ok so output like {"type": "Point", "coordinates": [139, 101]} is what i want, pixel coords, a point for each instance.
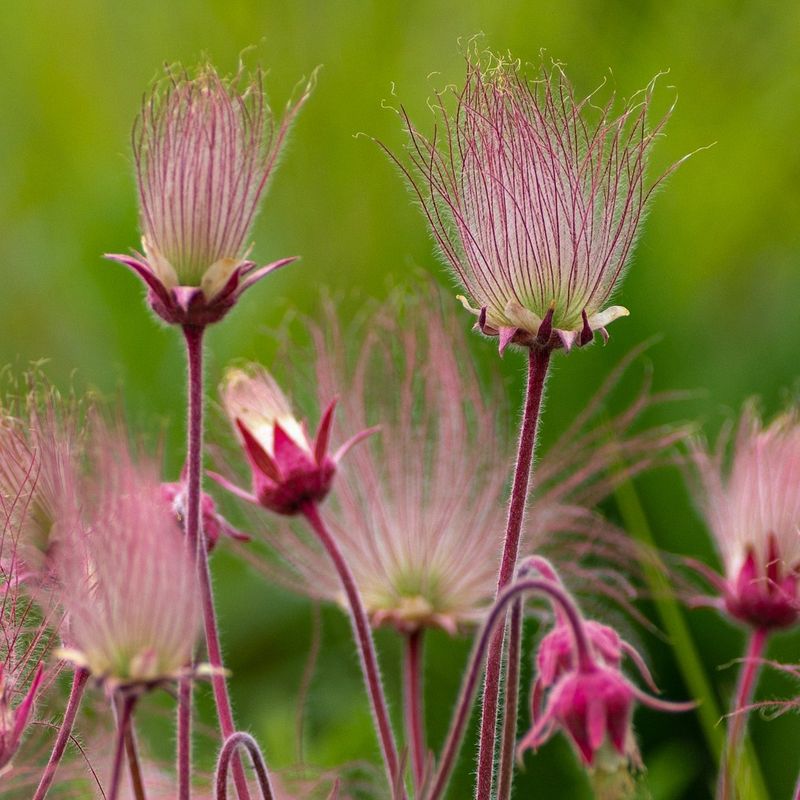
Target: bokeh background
{"type": "Point", "coordinates": [716, 274]}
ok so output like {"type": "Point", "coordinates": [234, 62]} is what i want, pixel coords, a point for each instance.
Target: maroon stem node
{"type": "Point", "coordinates": [196, 539]}
{"type": "Point", "coordinates": [538, 361]}
{"type": "Point", "coordinates": [414, 704]}
{"type": "Point", "coordinates": [363, 637]}
{"type": "Point", "coordinates": [64, 732]}
{"type": "Point", "coordinates": [472, 675]}
{"type": "Point", "coordinates": [744, 695]}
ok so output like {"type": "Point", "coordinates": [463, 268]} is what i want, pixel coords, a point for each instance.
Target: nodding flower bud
{"type": "Point", "coordinates": [215, 525]}
{"type": "Point", "coordinates": [587, 696]}
{"type": "Point", "coordinates": [14, 721]}
{"type": "Point", "coordinates": [204, 147]}
{"type": "Point", "coordinates": [535, 198]}
{"type": "Point", "coordinates": [753, 511]}
{"type": "Point", "coordinates": [288, 469]}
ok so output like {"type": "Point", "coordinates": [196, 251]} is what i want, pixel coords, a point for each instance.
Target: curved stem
{"type": "Point", "coordinates": [134, 765]}
{"type": "Point", "coordinates": [228, 752]}
{"type": "Point", "coordinates": [511, 703]}
{"type": "Point", "coordinates": [472, 675]}
{"type": "Point", "coordinates": [125, 713]}
{"type": "Point", "coordinates": [184, 755]}
{"type": "Point", "coordinates": [414, 704]}
{"type": "Point", "coordinates": [73, 704]}
{"type": "Point", "coordinates": [746, 685]}
{"type": "Point", "coordinates": [195, 537]}
{"type": "Point", "coordinates": [538, 361]}
{"type": "Point", "coordinates": [363, 637]}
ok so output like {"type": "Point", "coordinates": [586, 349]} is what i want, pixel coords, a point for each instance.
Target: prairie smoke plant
{"type": "Point", "coordinates": [535, 198]}
{"type": "Point", "coordinates": [753, 511]}
{"type": "Point", "coordinates": [127, 582]}
{"type": "Point", "coordinates": [204, 147]}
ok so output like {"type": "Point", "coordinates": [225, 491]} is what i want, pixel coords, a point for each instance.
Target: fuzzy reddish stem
{"type": "Point", "coordinates": [228, 752]}
{"type": "Point", "coordinates": [414, 704]}
{"type": "Point", "coordinates": [364, 642]}
{"type": "Point", "coordinates": [196, 539]}
{"type": "Point", "coordinates": [64, 732]}
{"type": "Point", "coordinates": [511, 703]}
{"type": "Point", "coordinates": [134, 764]}
{"type": "Point", "coordinates": [744, 696]}
{"type": "Point", "coordinates": [538, 361]}
{"type": "Point", "coordinates": [472, 675]}
{"type": "Point", "coordinates": [125, 714]}
{"type": "Point", "coordinates": [184, 755]}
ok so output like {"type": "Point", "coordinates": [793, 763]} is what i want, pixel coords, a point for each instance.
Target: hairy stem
{"type": "Point", "coordinates": [364, 643]}
{"type": "Point", "coordinates": [228, 752]}
{"type": "Point", "coordinates": [414, 705]}
{"type": "Point", "coordinates": [538, 361]}
{"type": "Point", "coordinates": [738, 722]}
{"type": "Point", "coordinates": [510, 704]}
{"type": "Point", "coordinates": [196, 539]}
{"type": "Point", "coordinates": [64, 732]}
{"type": "Point", "coordinates": [134, 765]}
{"type": "Point", "coordinates": [126, 710]}
{"type": "Point", "coordinates": [184, 755]}
{"type": "Point", "coordinates": [472, 675]}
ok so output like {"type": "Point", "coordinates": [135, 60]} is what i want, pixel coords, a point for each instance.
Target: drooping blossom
{"type": "Point", "coordinates": [587, 697]}
{"type": "Point", "coordinates": [127, 582]}
{"type": "Point", "coordinates": [752, 508]}
{"type": "Point", "coordinates": [205, 146]}
{"type": "Point", "coordinates": [288, 469]}
{"type": "Point", "coordinates": [535, 198]}
{"type": "Point", "coordinates": [419, 509]}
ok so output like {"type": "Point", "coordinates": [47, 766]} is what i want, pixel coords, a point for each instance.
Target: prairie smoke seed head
{"type": "Point", "coordinates": [204, 147]}
{"type": "Point", "coordinates": [534, 198]}
{"type": "Point", "coordinates": [287, 468]}
{"type": "Point", "coordinates": [128, 584]}
{"type": "Point", "coordinates": [753, 511]}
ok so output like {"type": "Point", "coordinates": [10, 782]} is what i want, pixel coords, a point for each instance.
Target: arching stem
{"type": "Point", "coordinates": [413, 703]}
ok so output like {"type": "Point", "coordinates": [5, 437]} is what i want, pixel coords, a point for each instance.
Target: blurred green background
{"type": "Point", "coordinates": [716, 271]}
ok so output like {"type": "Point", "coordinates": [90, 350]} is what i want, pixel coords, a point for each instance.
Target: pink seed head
{"type": "Point", "coordinates": [287, 468]}
{"type": "Point", "coordinates": [204, 147]}
{"type": "Point", "coordinates": [753, 511]}
{"type": "Point", "coordinates": [535, 198]}
{"type": "Point", "coordinates": [127, 581]}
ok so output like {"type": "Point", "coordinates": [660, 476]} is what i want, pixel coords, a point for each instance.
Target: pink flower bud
{"type": "Point", "coordinates": [753, 510]}
{"type": "Point", "coordinates": [288, 469]}
{"type": "Point", "coordinates": [214, 524]}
